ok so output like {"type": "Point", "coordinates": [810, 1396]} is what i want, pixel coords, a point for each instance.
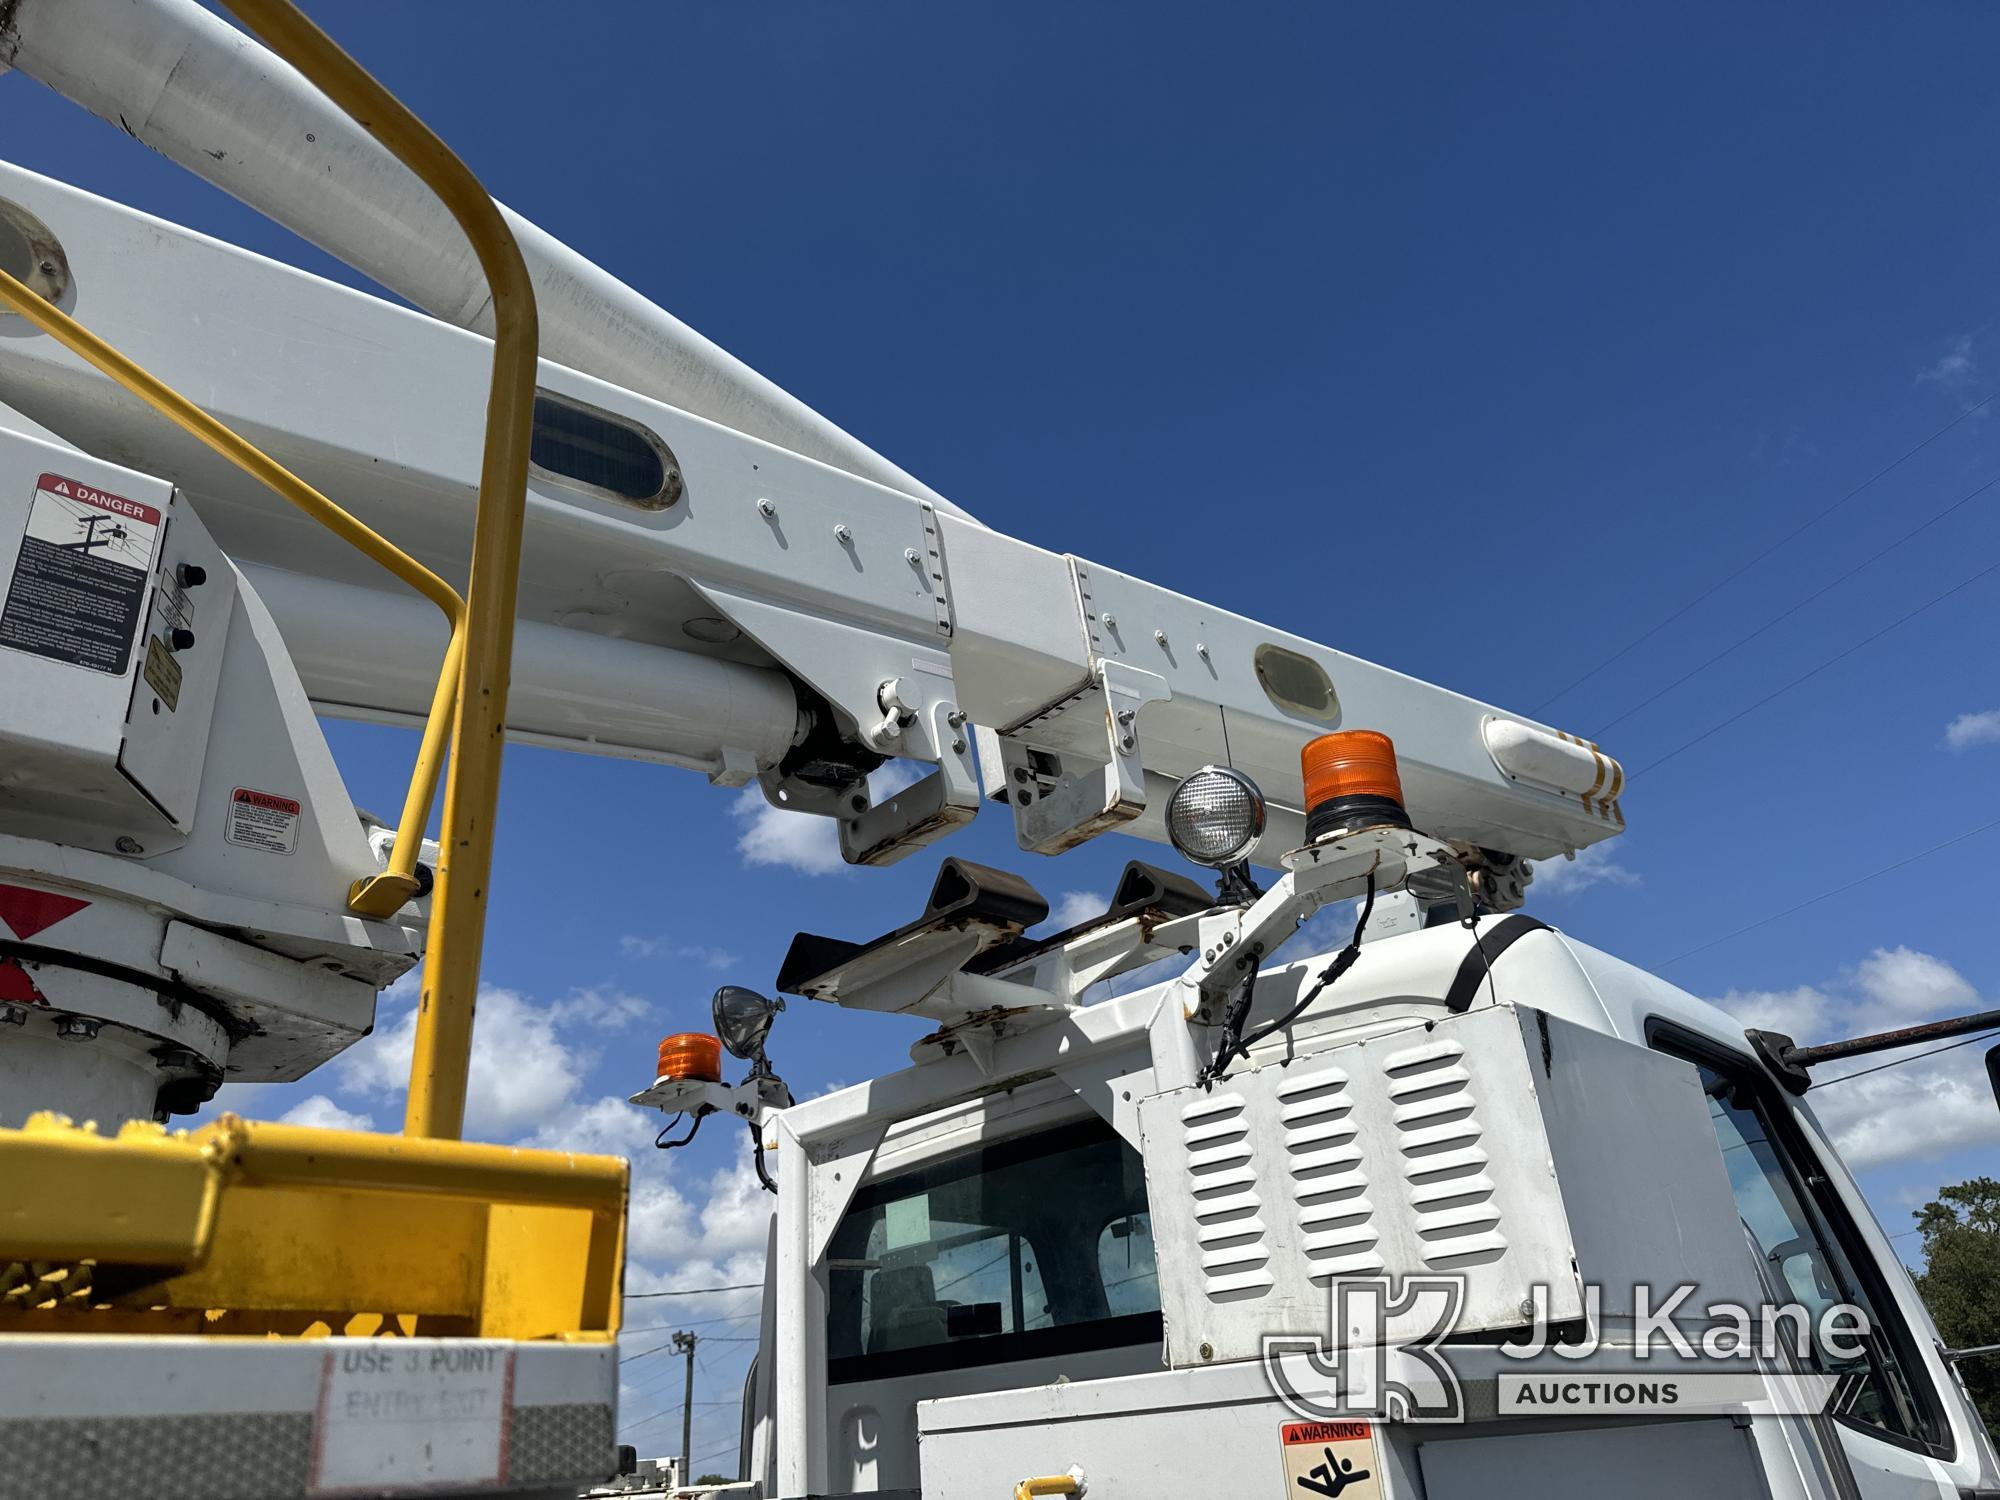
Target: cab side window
{"type": "Point", "coordinates": [1800, 1233]}
{"type": "Point", "coordinates": [1031, 1247]}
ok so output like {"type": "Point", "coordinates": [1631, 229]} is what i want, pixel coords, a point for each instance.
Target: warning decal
{"type": "Point", "coordinates": [1331, 1458]}
{"type": "Point", "coordinates": [263, 820]}
{"type": "Point", "coordinates": [80, 580]}
{"type": "Point", "coordinates": [163, 673]}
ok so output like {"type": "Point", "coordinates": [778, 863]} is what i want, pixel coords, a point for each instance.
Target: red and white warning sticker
{"type": "Point", "coordinates": [1331, 1458]}
{"type": "Point", "coordinates": [263, 820]}
{"type": "Point", "coordinates": [80, 578]}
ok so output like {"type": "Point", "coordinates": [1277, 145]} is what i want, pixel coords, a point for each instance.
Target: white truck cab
{"type": "Point", "coordinates": [1055, 1253]}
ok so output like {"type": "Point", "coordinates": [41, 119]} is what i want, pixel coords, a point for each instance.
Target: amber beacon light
{"type": "Point", "coordinates": [1351, 783]}
{"type": "Point", "coordinates": [692, 1054]}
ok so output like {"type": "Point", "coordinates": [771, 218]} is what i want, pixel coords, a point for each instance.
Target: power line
{"type": "Point", "coordinates": [755, 1312]}
{"type": "Point", "coordinates": [1897, 1062]}
{"type": "Point", "coordinates": [628, 1358]}
{"type": "Point", "coordinates": [1779, 619]}
{"type": "Point", "coordinates": [1637, 641]}
{"type": "Point", "coordinates": [695, 1291]}
{"type": "Point", "coordinates": [1805, 677]}
{"type": "Point", "coordinates": [1888, 869]}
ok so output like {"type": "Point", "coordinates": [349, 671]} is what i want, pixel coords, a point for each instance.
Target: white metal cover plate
{"type": "Point", "coordinates": [1331, 1458]}
{"type": "Point", "coordinates": [1418, 1153]}
{"type": "Point", "coordinates": [412, 1414]}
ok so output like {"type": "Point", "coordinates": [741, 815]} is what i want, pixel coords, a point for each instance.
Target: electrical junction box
{"type": "Point", "coordinates": [114, 610]}
{"type": "Point", "coordinates": [1526, 1155]}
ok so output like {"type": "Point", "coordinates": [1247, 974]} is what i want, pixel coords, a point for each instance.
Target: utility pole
{"type": "Point", "coordinates": [685, 1342]}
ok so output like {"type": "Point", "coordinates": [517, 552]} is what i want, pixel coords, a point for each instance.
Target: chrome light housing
{"type": "Point", "coordinates": [743, 1019]}
{"type": "Point", "coordinates": [1216, 817]}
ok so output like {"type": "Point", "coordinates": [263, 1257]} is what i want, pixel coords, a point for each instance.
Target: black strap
{"type": "Point", "coordinates": [1478, 961]}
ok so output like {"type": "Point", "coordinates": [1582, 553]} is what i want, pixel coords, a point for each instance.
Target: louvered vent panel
{"type": "Point", "coordinates": [1228, 1211]}
{"type": "Point", "coordinates": [1329, 1183]}
{"type": "Point", "coordinates": [1456, 1217]}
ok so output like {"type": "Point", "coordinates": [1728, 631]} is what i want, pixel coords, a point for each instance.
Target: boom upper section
{"type": "Point", "coordinates": [697, 596]}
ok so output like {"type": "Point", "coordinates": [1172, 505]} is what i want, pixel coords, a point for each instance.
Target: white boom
{"type": "Point", "coordinates": [195, 89]}
{"type": "Point", "coordinates": [669, 629]}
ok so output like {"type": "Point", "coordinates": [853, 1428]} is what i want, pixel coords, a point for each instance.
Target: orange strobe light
{"type": "Point", "coordinates": [692, 1054]}
{"type": "Point", "coordinates": [1351, 783]}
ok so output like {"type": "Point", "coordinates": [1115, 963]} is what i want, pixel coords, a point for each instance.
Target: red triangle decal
{"type": "Point", "coordinates": [28, 912]}
{"type": "Point", "coordinates": [15, 985]}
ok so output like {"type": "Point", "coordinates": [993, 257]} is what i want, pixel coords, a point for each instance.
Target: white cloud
{"type": "Point", "coordinates": [321, 1113]}
{"type": "Point", "coordinates": [598, 1006]}
{"type": "Point", "coordinates": [1909, 986]}
{"type": "Point", "coordinates": [1593, 866]}
{"type": "Point", "coordinates": [1968, 730]}
{"type": "Point", "coordinates": [1921, 1109]}
{"type": "Point", "coordinates": [1955, 367]}
{"type": "Point", "coordinates": [522, 1070]}
{"type": "Point", "coordinates": [1796, 1013]}
{"type": "Point", "coordinates": [732, 1219]}
{"type": "Point", "coordinates": [1912, 1111]}
{"type": "Point", "coordinates": [604, 1127]}
{"type": "Point", "coordinates": [803, 841]}
{"type": "Point", "coordinates": [792, 841]}
{"type": "Point", "coordinates": [660, 947]}
{"type": "Point", "coordinates": [1074, 907]}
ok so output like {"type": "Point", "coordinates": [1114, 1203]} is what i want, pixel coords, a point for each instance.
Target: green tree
{"type": "Point", "coordinates": [1961, 1281]}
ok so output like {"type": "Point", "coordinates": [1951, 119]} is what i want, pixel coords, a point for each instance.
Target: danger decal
{"type": "Point", "coordinates": [79, 583]}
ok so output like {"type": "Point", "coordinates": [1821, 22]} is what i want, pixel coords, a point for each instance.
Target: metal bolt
{"type": "Point", "coordinates": [958, 746]}
{"type": "Point", "coordinates": [1207, 1349]}
{"type": "Point", "coordinates": [1527, 1307]}
{"type": "Point", "coordinates": [1020, 773]}
{"type": "Point", "coordinates": [126, 844]}
{"type": "Point", "coordinates": [842, 535]}
{"type": "Point", "coordinates": [48, 268]}
{"type": "Point", "coordinates": [1127, 744]}
{"type": "Point", "coordinates": [78, 1028]}
{"type": "Point", "coordinates": [910, 556]}
{"type": "Point", "coordinates": [956, 718]}
{"type": "Point", "coordinates": [1201, 649]}
{"type": "Point", "coordinates": [766, 509]}
{"type": "Point", "coordinates": [1126, 715]}
{"type": "Point", "coordinates": [1160, 637]}
{"type": "Point", "coordinates": [1110, 620]}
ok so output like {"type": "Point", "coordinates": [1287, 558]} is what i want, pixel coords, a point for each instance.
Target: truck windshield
{"type": "Point", "coordinates": [1019, 1250]}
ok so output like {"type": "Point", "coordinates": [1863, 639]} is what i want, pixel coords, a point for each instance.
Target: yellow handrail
{"type": "Point", "coordinates": [1053, 1484]}
{"type": "Point", "coordinates": [377, 895]}
{"type": "Point", "coordinates": [443, 1051]}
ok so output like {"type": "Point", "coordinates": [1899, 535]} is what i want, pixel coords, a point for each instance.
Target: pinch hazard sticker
{"type": "Point", "coordinates": [263, 820]}
{"type": "Point", "coordinates": [80, 580]}
{"type": "Point", "coordinates": [1331, 1458]}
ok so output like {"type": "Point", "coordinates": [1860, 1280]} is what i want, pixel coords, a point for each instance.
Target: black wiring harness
{"type": "Point", "coordinates": [1235, 1044]}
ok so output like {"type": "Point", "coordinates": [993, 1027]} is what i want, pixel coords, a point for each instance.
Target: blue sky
{"type": "Point", "coordinates": [1473, 342]}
